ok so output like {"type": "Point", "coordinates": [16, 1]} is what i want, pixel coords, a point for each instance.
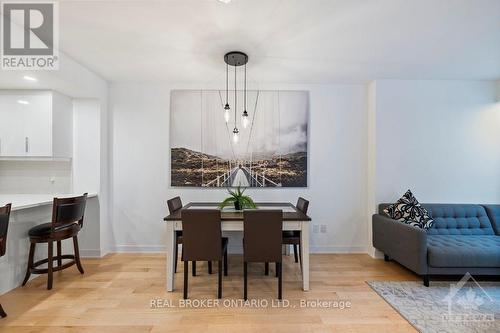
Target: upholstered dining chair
{"type": "Point", "coordinates": [262, 240]}
{"type": "Point", "coordinates": [174, 205]}
{"type": "Point", "coordinates": [203, 241]}
{"type": "Point", "coordinates": [293, 237]}
{"type": "Point", "coordinates": [67, 221]}
{"type": "Point", "coordinates": [4, 226]}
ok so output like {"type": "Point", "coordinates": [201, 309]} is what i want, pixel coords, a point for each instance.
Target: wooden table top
{"type": "Point", "coordinates": [290, 213]}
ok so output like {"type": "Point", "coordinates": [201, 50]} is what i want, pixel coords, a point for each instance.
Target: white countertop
{"type": "Point", "coordinates": [24, 201]}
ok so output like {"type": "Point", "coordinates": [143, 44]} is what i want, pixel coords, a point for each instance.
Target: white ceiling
{"type": "Point", "coordinates": [290, 41]}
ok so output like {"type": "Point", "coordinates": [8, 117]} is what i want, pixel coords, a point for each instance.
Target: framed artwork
{"type": "Point", "coordinates": [271, 151]}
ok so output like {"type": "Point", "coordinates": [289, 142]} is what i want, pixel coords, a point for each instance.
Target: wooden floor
{"type": "Point", "coordinates": [115, 295]}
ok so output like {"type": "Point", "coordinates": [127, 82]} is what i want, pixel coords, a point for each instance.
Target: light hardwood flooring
{"type": "Point", "coordinates": [115, 295]}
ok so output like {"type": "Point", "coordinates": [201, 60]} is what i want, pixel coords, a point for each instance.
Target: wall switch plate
{"type": "Point", "coordinates": [315, 228]}
{"type": "Point", "coordinates": [323, 228]}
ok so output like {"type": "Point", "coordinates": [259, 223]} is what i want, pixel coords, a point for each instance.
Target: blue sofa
{"type": "Point", "coordinates": [464, 238]}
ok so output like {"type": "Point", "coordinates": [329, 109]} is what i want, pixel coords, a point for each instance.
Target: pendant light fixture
{"type": "Point", "coordinates": [236, 59]}
{"type": "Point", "coordinates": [244, 116]}
{"type": "Point", "coordinates": [227, 109]}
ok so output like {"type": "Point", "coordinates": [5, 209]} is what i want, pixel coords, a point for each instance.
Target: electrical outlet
{"type": "Point", "coordinates": [315, 228]}
{"type": "Point", "coordinates": [323, 228]}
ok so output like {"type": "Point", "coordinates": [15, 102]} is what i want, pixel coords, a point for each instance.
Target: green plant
{"type": "Point", "coordinates": [239, 200]}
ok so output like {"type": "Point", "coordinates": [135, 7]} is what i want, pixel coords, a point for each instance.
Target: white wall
{"type": "Point", "coordinates": [337, 166]}
{"type": "Point", "coordinates": [439, 138]}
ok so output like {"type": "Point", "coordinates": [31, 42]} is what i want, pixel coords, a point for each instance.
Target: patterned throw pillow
{"type": "Point", "coordinates": [408, 210]}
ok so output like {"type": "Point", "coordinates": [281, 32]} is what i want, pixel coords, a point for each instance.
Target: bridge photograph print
{"type": "Point", "coordinates": [259, 141]}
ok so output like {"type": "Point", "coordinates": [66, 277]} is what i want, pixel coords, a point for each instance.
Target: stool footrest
{"type": "Point", "coordinates": [35, 270]}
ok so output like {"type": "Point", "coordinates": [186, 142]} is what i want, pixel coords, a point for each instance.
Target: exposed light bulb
{"type": "Point", "coordinates": [235, 135]}
{"type": "Point", "coordinates": [226, 112]}
{"type": "Point", "coordinates": [244, 119]}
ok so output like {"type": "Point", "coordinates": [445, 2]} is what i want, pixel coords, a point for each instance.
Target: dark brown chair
{"type": "Point", "coordinates": [293, 237]}
{"type": "Point", "coordinates": [4, 227]}
{"type": "Point", "coordinates": [175, 204]}
{"type": "Point", "coordinates": [262, 239]}
{"type": "Point", "coordinates": [202, 240]}
{"type": "Point", "coordinates": [67, 221]}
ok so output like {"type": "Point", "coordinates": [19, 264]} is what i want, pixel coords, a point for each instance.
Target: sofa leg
{"type": "Point", "coordinates": [426, 280]}
{"type": "Point", "coordinates": [386, 257]}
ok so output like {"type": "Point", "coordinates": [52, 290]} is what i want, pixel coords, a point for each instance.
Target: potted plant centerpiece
{"type": "Point", "coordinates": [239, 200]}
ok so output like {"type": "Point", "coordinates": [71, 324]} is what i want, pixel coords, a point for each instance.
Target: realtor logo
{"type": "Point", "coordinates": [468, 304]}
{"type": "Point", "coordinates": [29, 35]}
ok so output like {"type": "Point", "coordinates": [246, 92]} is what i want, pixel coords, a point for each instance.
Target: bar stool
{"type": "Point", "coordinates": [202, 240]}
{"type": "Point", "coordinates": [262, 240]}
{"type": "Point", "coordinates": [174, 205]}
{"type": "Point", "coordinates": [4, 226]}
{"type": "Point", "coordinates": [67, 221]}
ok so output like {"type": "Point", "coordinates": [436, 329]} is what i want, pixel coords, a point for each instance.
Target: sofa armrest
{"type": "Point", "coordinates": [401, 242]}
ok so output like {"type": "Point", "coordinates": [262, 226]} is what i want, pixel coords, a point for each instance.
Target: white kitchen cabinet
{"type": "Point", "coordinates": [35, 124]}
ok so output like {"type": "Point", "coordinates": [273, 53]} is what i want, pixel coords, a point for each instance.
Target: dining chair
{"type": "Point", "coordinates": [293, 237]}
{"type": "Point", "coordinates": [202, 240]}
{"type": "Point", "coordinates": [262, 239]}
{"type": "Point", "coordinates": [4, 226]}
{"type": "Point", "coordinates": [174, 205]}
{"type": "Point", "coordinates": [67, 221]}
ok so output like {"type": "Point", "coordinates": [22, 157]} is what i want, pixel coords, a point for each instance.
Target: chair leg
{"type": "Point", "coordinates": [426, 280]}
{"type": "Point", "coordinates": [266, 268]}
{"type": "Point", "coordinates": [50, 263]}
{"type": "Point", "coordinates": [295, 254]}
{"type": "Point", "coordinates": [225, 263]}
{"type": "Point", "coordinates": [193, 264]}
{"type": "Point", "coordinates": [2, 312]}
{"type": "Point", "coordinates": [186, 274]}
{"type": "Point", "coordinates": [276, 269]}
{"type": "Point", "coordinates": [280, 280]}
{"type": "Point", "coordinates": [245, 280]}
{"type": "Point", "coordinates": [209, 267]}
{"type": "Point", "coordinates": [30, 263]}
{"type": "Point", "coordinates": [300, 257]}
{"type": "Point", "coordinates": [176, 254]}
{"type": "Point", "coordinates": [77, 255]}
{"type": "Point", "coordinates": [59, 253]}
{"type": "Point", "coordinates": [219, 293]}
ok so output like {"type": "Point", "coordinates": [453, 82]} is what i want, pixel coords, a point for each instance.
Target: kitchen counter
{"type": "Point", "coordinates": [24, 201]}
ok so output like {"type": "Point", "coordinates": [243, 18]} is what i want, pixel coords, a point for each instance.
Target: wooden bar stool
{"type": "Point", "coordinates": [202, 240]}
{"type": "Point", "coordinates": [262, 240]}
{"type": "Point", "coordinates": [173, 205]}
{"type": "Point", "coordinates": [4, 226]}
{"type": "Point", "coordinates": [67, 221]}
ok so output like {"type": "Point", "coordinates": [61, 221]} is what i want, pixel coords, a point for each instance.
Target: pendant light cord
{"type": "Point", "coordinates": [235, 104]}
{"type": "Point", "coordinates": [245, 87]}
{"type": "Point", "coordinates": [227, 82]}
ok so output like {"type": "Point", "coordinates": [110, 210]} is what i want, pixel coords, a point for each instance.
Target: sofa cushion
{"type": "Point", "coordinates": [459, 219]}
{"type": "Point", "coordinates": [493, 212]}
{"type": "Point", "coordinates": [463, 251]}
{"type": "Point", "coordinates": [408, 210]}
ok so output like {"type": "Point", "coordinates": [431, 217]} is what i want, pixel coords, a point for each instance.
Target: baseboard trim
{"type": "Point", "coordinates": [161, 249]}
{"type": "Point", "coordinates": [86, 253]}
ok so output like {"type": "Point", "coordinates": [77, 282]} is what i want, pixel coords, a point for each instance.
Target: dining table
{"type": "Point", "coordinates": [232, 220]}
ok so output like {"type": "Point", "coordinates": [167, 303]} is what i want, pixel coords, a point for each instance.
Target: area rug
{"type": "Point", "coordinates": [445, 307]}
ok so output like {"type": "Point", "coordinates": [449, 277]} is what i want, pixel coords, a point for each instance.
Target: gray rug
{"type": "Point", "coordinates": [445, 307]}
